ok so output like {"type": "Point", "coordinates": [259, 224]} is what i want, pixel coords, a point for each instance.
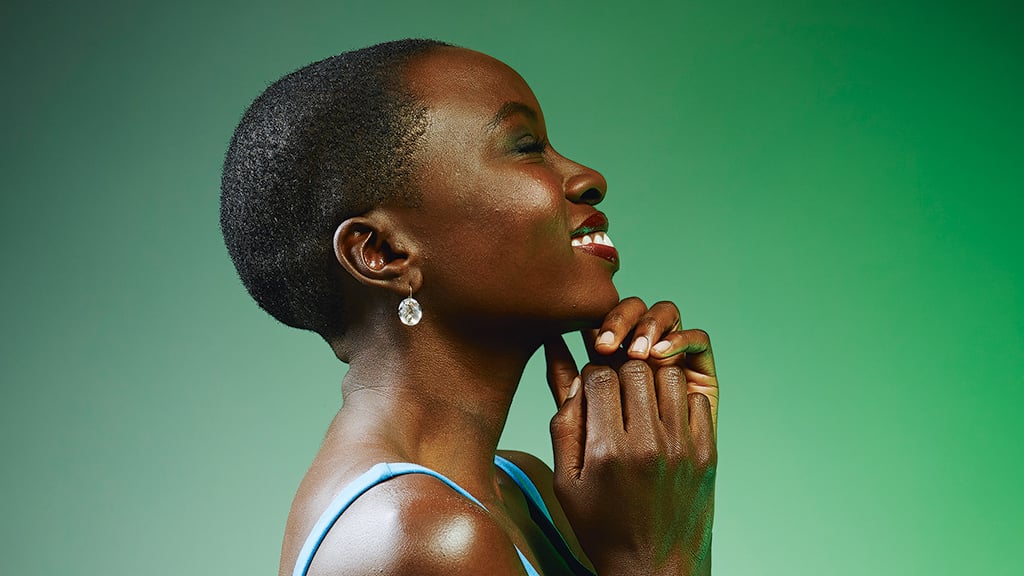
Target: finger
{"type": "Point", "coordinates": [568, 435]}
{"type": "Point", "coordinates": [561, 368]}
{"type": "Point", "coordinates": [706, 385]}
{"type": "Point", "coordinates": [702, 430]}
{"type": "Point", "coordinates": [589, 344]}
{"type": "Point", "coordinates": [614, 359]}
{"type": "Point", "coordinates": [657, 321]}
{"type": "Point", "coordinates": [694, 343]}
{"type": "Point", "coordinates": [603, 406]}
{"type": "Point", "coordinates": [617, 325]}
{"type": "Point", "coordinates": [673, 406]}
{"type": "Point", "coordinates": [639, 403]}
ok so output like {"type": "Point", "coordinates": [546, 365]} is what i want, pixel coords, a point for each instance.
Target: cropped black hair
{"type": "Point", "coordinates": [331, 140]}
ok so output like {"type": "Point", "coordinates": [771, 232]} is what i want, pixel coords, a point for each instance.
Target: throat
{"type": "Point", "coordinates": [434, 395]}
{"type": "Point", "coordinates": [436, 417]}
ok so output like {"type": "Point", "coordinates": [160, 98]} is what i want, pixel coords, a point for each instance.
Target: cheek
{"type": "Point", "coordinates": [494, 229]}
{"type": "Point", "coordinates": [514, 216]}
{"type": "Point", "coordinates": [538, 227]}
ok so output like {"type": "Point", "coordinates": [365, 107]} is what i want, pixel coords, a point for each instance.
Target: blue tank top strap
{"type": "Point", "coordinates": [541, 515]}
{"type": "Point", "coordinates": [526, 485]}
{"type": "Point", "coordinates": [375, 475]}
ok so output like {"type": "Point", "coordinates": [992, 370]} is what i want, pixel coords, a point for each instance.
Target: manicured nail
{"type": "Point", "coordinates": [640, 345]}
{"type": "Point", "coordinates": [606, 338]}
{"type": "Point", "coordinates": [573, 388]}
{"type": "Point", "coordinates": [662, 347]}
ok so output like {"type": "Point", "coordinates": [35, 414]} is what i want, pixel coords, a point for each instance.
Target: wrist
{"type": "Point", "coordinates": [676, 564]}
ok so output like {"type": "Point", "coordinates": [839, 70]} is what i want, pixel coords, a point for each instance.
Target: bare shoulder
{"type": "Point", "coordinates": [415, 524]}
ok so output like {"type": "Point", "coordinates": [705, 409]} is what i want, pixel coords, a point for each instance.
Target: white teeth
{"type": "Point", "coordinates": [596, 238]}
{"type": "Point", "coordinates": [602, 239]}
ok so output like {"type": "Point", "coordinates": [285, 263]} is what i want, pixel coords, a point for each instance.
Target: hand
{"type": "Point", "coordinates": [635, 452]}
{"type": "Point", "coordinates": [654, 335]}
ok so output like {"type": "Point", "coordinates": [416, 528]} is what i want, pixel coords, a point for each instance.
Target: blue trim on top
{"type": "Point", "coordinates": [375, 475]}
{"type": "Point", "coordinates": [540, 514]}
{"type": "Point", "coordinates": [526, 485]}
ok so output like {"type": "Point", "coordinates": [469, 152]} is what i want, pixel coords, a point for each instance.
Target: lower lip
{"type": "Point", "coordinates": [601, 251]}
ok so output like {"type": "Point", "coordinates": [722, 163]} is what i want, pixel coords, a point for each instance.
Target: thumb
{"type": "Point", "coordinates": [568, 435]}
{"type": "Point", "coordinates": [561, 368]}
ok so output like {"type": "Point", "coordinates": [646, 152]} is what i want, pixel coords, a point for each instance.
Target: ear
{"type": "Point", "coordinates": [367, 247]}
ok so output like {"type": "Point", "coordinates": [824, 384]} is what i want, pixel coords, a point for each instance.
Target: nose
{"type": "Point", "coordinates": [585, 186]}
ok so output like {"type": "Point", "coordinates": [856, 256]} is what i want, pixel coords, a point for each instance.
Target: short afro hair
{"type": "Point", "coordinates": [329, 141]}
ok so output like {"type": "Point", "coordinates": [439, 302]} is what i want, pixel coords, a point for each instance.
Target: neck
{"type": "Point", "coordinates": [436, 400]}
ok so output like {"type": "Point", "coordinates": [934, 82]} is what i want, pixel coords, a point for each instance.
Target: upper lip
{"type": "Point", "coordinates": [597, 222]}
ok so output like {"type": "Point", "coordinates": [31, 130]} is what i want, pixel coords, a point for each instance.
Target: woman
{"type": "Point", "coordinates": [417, 176]}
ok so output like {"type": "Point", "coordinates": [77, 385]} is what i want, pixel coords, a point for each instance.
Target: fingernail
{"type": "Point", "coordinates": [606, 338]}
{"type": "Point", "coordinates": [640, 345]}
{"type": "Point", "coordinates": [662, 347]}
{"type": "Point", "coordinates": [573, 388]}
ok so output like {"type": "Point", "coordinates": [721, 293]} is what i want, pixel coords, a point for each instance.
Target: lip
{"type": "Point", "coordinates": [605, 252]}
{"type": "Point", "coordinates": [597, 222]}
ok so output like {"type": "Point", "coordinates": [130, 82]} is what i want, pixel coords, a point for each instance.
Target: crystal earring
{"type": "Point", "coordinates": [409, 310]}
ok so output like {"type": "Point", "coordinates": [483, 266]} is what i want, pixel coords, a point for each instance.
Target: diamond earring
{"type": "Point", "coordinates": [409, 310]}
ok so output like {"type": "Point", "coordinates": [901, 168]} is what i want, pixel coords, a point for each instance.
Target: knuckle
{"type": "Point", "coordinates": [705, 457]}
{"type": "Point", "coordinates": [650, 455]}
{"type": "Point", "coordinates": [634, 301]}
{"type": "Point", "coordinates": [698, 400]}
{"type": "Point", "coordinates": [598, 376]}
{"type": "Point", "coordinates": [601, 456]}
{"type": "Point", "coordinates": [561, 368]}
{"type": "Point", "coordinates": [706, 479]}
{"type": "Point", "coordinates": [671, 376]}
{"type": "Point", "coordinates": [700, 334]}
{"type": "Point", "coordinates": [560, 373]}
{"type": "Point", "coordinates": [615, 318]}
{"type": "Point", "coordinates": [648, 322]}
{"type": "Point", "coordinates": [670, 306]}
{"type": "Point", "coordinates": [559, 434]}
{"type": "Point", "coordinates": [634, 370]}
{"type": "Point", "coordinates": [559, 423]}
{"type": "Point", "coordinates": [675, 451]}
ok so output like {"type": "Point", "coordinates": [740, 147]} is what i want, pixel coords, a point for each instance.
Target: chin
{"type": "Point", "coordinates": [592, 313]}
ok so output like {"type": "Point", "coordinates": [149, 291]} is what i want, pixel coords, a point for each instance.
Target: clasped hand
{"type": "Point", "coordinates": [634, 441]}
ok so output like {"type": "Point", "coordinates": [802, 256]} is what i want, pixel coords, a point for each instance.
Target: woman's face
{"type": "Point", "coordinates": [502, 219]}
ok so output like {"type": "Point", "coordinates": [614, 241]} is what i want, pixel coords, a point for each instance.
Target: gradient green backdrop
{"type": "Point", "coordinates": [832, 189]}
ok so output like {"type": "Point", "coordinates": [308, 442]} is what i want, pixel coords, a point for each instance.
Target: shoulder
{"type": "Point", "coordinates": [415, 524]}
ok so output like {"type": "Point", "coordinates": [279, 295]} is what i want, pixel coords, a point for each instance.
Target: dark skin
{"type": "Point", "coordinates": [489, 256]}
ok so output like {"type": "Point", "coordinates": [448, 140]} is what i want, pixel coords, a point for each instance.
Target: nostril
{"type": "Point", "coordinates": [591, 196]}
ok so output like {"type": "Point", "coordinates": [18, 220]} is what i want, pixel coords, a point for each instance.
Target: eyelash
{"type": "Point", "coordinates": [537, 146]}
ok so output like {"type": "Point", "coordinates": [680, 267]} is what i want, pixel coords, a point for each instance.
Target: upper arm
{"type": "Point", "coordinates": [414, 524]}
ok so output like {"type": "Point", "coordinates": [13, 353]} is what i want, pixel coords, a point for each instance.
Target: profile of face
{"type": "Point", "coordinates": [507, 227]}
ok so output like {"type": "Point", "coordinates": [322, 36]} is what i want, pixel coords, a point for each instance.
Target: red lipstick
{"type": "Point", "coordinates": [594, 228]}
{"type": "Point", "coordinates": [598, 222]}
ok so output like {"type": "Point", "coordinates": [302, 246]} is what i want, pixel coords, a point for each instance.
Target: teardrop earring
{"type": "Point", "coordinates": [409, 310]}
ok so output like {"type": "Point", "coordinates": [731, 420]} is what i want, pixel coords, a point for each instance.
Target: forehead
{"type": "Point", "coordinates": [458, 82]}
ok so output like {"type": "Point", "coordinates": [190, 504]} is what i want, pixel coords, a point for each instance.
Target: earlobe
{"type": "Point", "coordinates": [365, 249]}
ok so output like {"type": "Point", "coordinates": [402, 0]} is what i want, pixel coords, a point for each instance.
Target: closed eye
{"type": "Point", "coordinates": [532, 147]}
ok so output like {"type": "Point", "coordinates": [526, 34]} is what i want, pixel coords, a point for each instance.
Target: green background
{"type": "Point", "coordinates": [832, 189]}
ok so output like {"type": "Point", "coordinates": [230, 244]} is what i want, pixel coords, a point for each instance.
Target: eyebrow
{"type": "Point", "coordinates": [508, 109]}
